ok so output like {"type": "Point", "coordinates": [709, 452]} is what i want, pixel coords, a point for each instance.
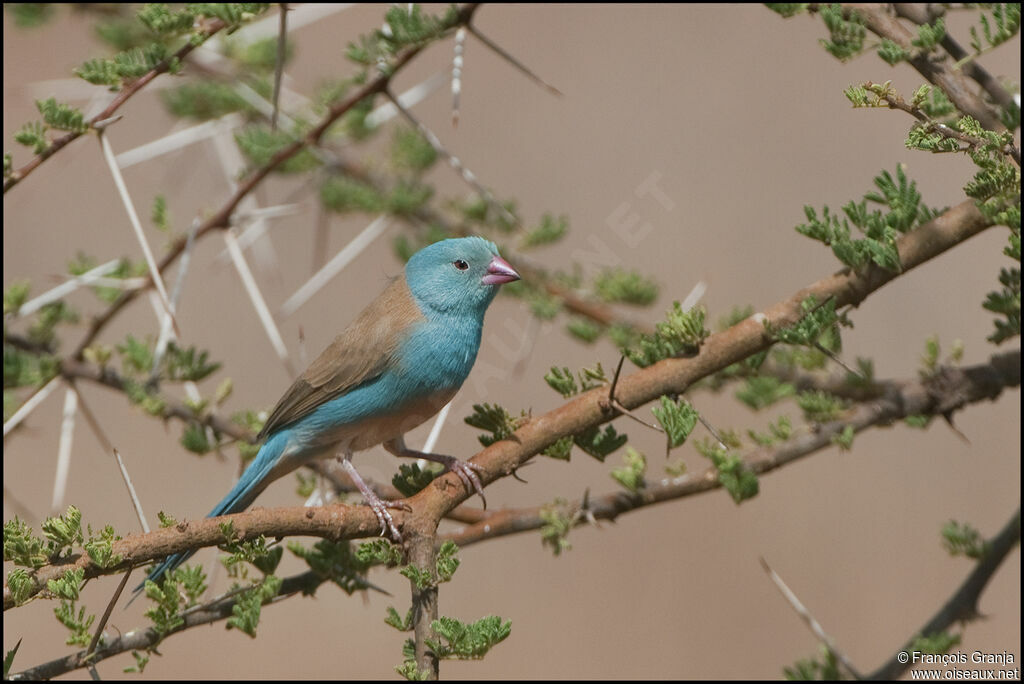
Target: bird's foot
{"type": "Point", "coordinates": [387, 523]}
{"type": "Point", "coordinates": [467, 472]}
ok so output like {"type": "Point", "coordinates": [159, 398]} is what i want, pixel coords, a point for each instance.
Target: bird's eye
{"type": "Point", "coordinates": [460, 264]}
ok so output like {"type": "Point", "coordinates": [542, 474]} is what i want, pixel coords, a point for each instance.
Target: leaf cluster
{"type": "Point", "coordinates": [402, 28]}
{"type": "Point", "coordinates": [495, 420]}
{"type": "Point", "coordinates": [904, 212]}
{"type": "Point", "coordinates": [562, 381]}
{"type": "Point", "coordinates": [411, 478]}
{"type": "Point", "coordinates": [682, 332]}
{"type": "Point", "coordinates": [1005, 24]}
{"type": "Point", "coordinates": [961, 539]}
{"type": "Point", "coordinates": [631, 474]}
{"type": "Point", "coordinates": [467, 641]}
{"type": "Point", "coordinates": [677, 419]}
{"type": "Point", "coordinates": [733, 474]}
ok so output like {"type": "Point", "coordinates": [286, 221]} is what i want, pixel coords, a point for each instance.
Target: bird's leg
{"type": "Point", "coordinates": [467, 472]}
{"type": "Point", "coordinates": [376, 504]}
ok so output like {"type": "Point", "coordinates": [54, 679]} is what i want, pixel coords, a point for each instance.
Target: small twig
{"type": "Point", "coordinates": [827, 352]}
{"type": "Point", "coordinates": [512, 60]}
{"type": "Point", "coordinates": [179, 283]}
{"type": "Point", "coordinates": [258, 303]}
{"type": "Point", "coordinates": [805, 614]}
{"type": "Point", "coordinates": [435, 430]}
{"type": "Point", "coordinates": [108, 447]}
{"type": "Point", "coordinates": [30, 404]}
{"type": "Point", "coordinates": [173, 142]}
{"type": "Point", "coordinates": [625, 411]}
{"type": "Point", "coordinates": [584, 512]}
{"type": "Point", "coordinates": [458, 48]}
{"type": "Point", "coordinates": [282, 44]}
{"type": "Point", "coordinates": [106, 614]}
{"type": "Point", "coordinates": [65, 289]}
{"type": "Point", "coordinates": [897, 102]}
{"type": "Point", "coordinates": [714, 433]}
{"type": "Point", "coordinates": [615, 378]}
{"type": "Point", "coordinates": [337, 263]}
{"type": "Point", "coordinates": [614, 403]}
{"type": "Point", "coordinates": [67, 431]}
{"type": "Point", "coordinates": [453, 161]}
{"type": "Point", "coordinates": [133, 218]}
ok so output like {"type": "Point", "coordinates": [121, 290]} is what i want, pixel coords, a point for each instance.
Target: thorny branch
{"type": "Point", "coordinates": [584, 411]}
{"type": "Point", "coordinates": [961, 386]}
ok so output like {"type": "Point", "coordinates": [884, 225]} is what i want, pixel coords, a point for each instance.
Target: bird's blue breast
{"type": "Point", "coordinates": [430, 365]}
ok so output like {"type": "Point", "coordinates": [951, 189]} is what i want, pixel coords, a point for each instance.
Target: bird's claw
{"type": "Point", "coordinates": [467, 472]}
{"type": "Point", "coordinates": [387, 523]}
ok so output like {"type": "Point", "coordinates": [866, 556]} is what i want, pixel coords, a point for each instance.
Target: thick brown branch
{"type": "Point", "coordinates": [949, 389]}
{"type": "Point", "coordinates": [334, 522]}
{"type": "Point", "coordinates": [673, 376]}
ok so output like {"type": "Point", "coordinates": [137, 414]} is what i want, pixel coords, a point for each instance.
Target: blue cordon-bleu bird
{"type": "Point", "coordinates": [396, 365]}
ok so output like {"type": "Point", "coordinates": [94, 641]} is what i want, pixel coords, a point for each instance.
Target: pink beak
{"type": "Point", "coordinates": [499, 271]}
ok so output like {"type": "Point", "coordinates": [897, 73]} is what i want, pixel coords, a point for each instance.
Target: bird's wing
{"type": "Point", "coordinates": [364, 350]}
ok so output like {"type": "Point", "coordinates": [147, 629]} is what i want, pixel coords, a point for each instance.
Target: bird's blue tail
{"type": "Point", "coordinates": [249, 486]}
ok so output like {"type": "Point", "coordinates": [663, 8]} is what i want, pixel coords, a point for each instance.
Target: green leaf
{"type": "Point", "coordinates": [561, 449]}
{"type": "Point", "coordinates": [495, 420]}
{"type": "Point", "coordinates": [342, 194]}
{"type": "Point", "coordinates": [961, 539]}
{"type": "Point", "coordinates": [599, 444]}
{"type": "Point", "coordinates": [410, 478]}
{"type": "Point", "coordinates": [677, 418]}
{"type": "Point", "coordinates": [61, 116]}
{"type": "Point", "coordinates": [682, 332]}
{"type": "Point", "coordinates": [260, 144]}
{"type": "Point", "coordinates": [555, 530]}
{"type": "Point", "coordinates": [891, 53]}
{"type": "Point", "coordinates": [844, 439]}
{"type": "Point", "coordinates": [204, 100]}
{"type": "Point", "coordinates": [20, 584]}
{"type": "Point", "coordinates": [397, 621]}
{"type": "Point", "coordinates": [62, 532]}
{"type": "Point", "coordinates": [762, 391]}
{"type": "Point", "coordinates": [447, 561]}
{"type": "Point", "coordinates": [583, 329]}
{"type": "Point", "coordinates": [627, 287]}
{"type": "Point", "coordinates": [1005, 25]}
{"type": "Point", "coordinates": [733, 474]}
{"type": "Point", "coordinates": [631, 475]}
{"type": "Point", "coordinates": [100, 548]}
{"type": "Point", "coordinates": [941, 642]}
{"type": "Point", "coordinates": [9, 658]}
{"type": "Point", "coordinates": [847, 35]}
{"type": "Point", "coordinates": [248, 606]}
{"type": "Point", "coordinates": [411, 151]}
{"type": "Point", "coordinates": [550, 230]}
{"type": "Point", "coordinates": [820, 406]}
{"type": "Point", "coordinates": [468, 641]}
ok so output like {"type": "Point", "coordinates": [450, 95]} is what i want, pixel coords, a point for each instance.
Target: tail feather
{"type": "Point", "coordinates": [253, 481]}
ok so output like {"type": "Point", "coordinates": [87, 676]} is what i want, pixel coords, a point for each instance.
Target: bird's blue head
{"type": "Point", "coordinates": [458, 276]}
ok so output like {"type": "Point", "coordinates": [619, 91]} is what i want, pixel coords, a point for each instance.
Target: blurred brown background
{"type": "Point", "coordinates": [739, 118]}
